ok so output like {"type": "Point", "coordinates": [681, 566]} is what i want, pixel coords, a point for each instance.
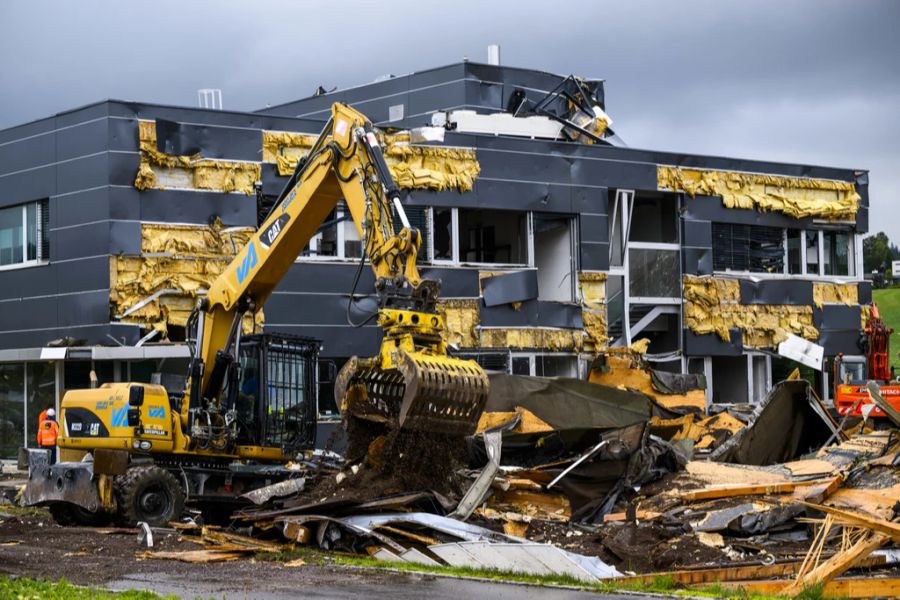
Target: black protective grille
{"type": "Point", "coordinates": [748, 248]}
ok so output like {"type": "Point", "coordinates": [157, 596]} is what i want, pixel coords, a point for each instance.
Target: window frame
{"type": "Point", "coordinates": [39, 259]}
{"type": "Point", "coordinates": [456, 260]}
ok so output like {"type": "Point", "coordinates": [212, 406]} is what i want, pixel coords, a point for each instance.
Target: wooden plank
{"type": "Point", "coordinates": [641, 515]}
{"type": "Point", "coordinates": [731, 491]}
{"type": "Point", "coordinates": [848, 587]}
{"type": "Point", "coordinates": [840, 562]}
{"type": "Point", "coordinates": [888, 528]}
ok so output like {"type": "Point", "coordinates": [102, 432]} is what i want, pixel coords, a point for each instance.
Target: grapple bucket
{"type": "Point", "coordinates": [423, 393]}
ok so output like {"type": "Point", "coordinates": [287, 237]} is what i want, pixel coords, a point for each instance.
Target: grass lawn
{"type": "Point", "coordinates": [23, 588]}
{"type": "Point", "coordinates": [888, 301]}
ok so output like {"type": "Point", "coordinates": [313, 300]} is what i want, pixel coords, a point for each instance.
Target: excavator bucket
{"type": "Point", "coordinates": [424, 392]}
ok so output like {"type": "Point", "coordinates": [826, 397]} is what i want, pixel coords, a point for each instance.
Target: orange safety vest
{"type": "Point", "coordinates": [47, 432]}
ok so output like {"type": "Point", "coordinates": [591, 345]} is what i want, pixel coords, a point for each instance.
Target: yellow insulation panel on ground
{"type": "Point", "coordinates": [798, 197]}
{"type": "Point", "coordinates": [835, 293]}
{"type": "Point", "coordinates": [712, 305]}
{"type": "Point", "coordinates": [593, 308]}
{"type": "Point", "coordinates": [413, 166]}
{"type": "Point", "coordinates": [177, 265]}
{"type": "Point", "coordinates": [159, 170]}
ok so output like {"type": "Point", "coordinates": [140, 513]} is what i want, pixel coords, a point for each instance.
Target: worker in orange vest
{"type": "Point", "coordinates": [48, 430]}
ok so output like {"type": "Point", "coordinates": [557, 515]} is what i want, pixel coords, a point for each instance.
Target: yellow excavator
{"type": "Point", "coordinates": [247, 406]}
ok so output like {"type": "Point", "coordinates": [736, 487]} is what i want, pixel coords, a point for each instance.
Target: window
{"type": "Point", "coordinates": [442, 223]}
{"type": "Point", "coordinates": [751, 248]}
{"type": "Point", "coordinates": [12, 408]}
{"type": "Point", "coordinates": [554, 256]}
{"type": "Point", "coordinates": [545, 365]}
{"type": "Point", "coordinates": [653, 273]}
{"type": "Point", "coordinates": [812, 252]}
{"type": "Point", "coordinates": [40, 389]}
{"type": "Point", "coordinates": [465, 235]}
{"type": "Point", "coordinates": [837, 253]}
{"type": "Point", "coordinates": [654, 218]}
{"type": "Point", "coordinates": [24, 234]}
{"type": "Point", "coordinates": [794, 251]}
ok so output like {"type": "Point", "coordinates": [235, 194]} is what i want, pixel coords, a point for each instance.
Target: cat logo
{"type": "Point", "coordinates": [248, 263]}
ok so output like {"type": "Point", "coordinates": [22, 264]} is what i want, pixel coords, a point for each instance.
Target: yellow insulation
{"type": "Point", "coordinates": [835, 293]}
{"type": "Point", "coordinates": [411, 165]}
{"type": "Point", "coordinates": [712, 305]}
{"type": "Point", "coordinates": [537, 338]}
{"type": "Point", "coordinates": [593, 308]}
{"type": "Point", "coordinates": [798, 197]}
{"type": "Point", "coordinates": [461, 320]}
{"type": "Point", "coordinates": [181, 261]}
{"type": "Point", "coordinates": [196, 172]}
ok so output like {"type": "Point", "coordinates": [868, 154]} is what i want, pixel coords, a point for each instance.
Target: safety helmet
{"type": "Point", "coordinates": [51, 412]}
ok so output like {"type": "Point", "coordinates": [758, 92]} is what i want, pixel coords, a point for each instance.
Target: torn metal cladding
{"type": "Point", "coordinates": [712, 305]}
{"type": "Point", "coordinates": [799, 197]}
{"type": "Point", "coordinates": [412, 166]}
{"type": "Point", "coordinates": [159, 170]}
{"type": "Point", "coordinates": [177, 264]}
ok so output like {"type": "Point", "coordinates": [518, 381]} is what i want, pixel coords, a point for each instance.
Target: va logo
{"type": "Point", "coordinates": [247, 264]}
{"type": "Point", "coordinates": [157, 411]}
{"type": "Point", "coordinates": [120, 416]}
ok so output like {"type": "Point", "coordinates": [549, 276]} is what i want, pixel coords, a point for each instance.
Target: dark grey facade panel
{"type": "Point", "coordinates": [83, 274]}
{"type": "Point", "coordinates": [503, 289]}
{"type": "Point", "coordinates": [86, 308]}
{"type": "Point", "coordinates": [24, 186]}
{"type": "Point", "coordinates": [590, 200]}
{"type": "Point", "coordinates": [79, 207]}
{"type": "Point", "coordinates": [337, 342]}
{"type": "Point", "coordinates": [862, 220]}
{"type": "Point", "coordinates": [91, 334]}
{"type": "Point", "coordinates": [26, 130]}
{"type": "Point", "coordinates": [272, 182]}
{"type": "Point", "coordinates": [325, 278]}
{"type": "Point", "coordinates": [26, 154]}
{"type": "Point", "coordinates": [82, 173]}
{"type": "Point", "coordinates": [484, 96]}
{"type": "Point", "coordinates": [123, 135]}
{"type": "Point", "coordinates": [697, 233]}
{"type": "Point", "coordinates": [837, 316]}
{"type": "Point", "coordinates": [33, 313]}
{"type": "Point", "coordinates": [777, 291]}
{"type": "Point", "coordinates": [455, 282]}
{"type": "Point", "coordinates": [533, 313]}
{"type": "Point", "coordinates": [181, 206]}
{"type": "Point", "coordinates": [711, 344]}
{"type": "Point", "coordinates": [28, 282]}
{"type": "Point", "coordinates": [519, 195]}
{"type": "Point", "coordinates": [319, 309]}
{"type": "Point", "coordinates": [865, 292]}
{"type": "Point", "coordinates": [76, 242]}
{"type": "Point", "coordinates": [234, 143]}
{"type": "Point", "coordinates": [124, 237]}
{"type": "Point", "coordinates": [97, 110]}
{"type": "Point", "coordinates": [593, 228]}
{"type": "Point", "coordinates": [711, 208]}
{"type": "Point", "coordinates": [836, 341]}
{"type": "Point", "coordinates": [594, 256]}
{"type": "Point", "coordinates": [697, 261]}
{"type": "Point", "coordinates": [184, 114]}
{"type": "Point", "coordinates": [84, 139]}
{"type": "Point", "coordinates": [123, 168]}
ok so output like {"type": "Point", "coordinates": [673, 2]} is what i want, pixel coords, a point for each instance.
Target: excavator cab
{"type": "Point", "coordinates": [274, 401]}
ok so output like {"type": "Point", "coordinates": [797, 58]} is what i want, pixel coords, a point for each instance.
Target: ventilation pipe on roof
{"type": "Point", "coordinates": [494, 54]}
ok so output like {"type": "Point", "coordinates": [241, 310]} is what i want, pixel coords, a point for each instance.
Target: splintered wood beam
{"type": "Point", "coordinates": [712, 493]}
{"type": "Point", "coordinates": [888, 528]}
{"type": "Point", "coordinates": [848, 587]}
{"type": "Point", "coordinates": [837, 564]}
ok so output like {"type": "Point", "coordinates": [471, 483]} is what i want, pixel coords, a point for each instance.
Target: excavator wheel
{"type": "Point", "coordinates": [149, 493]}
{"type": "Point", "coordinates": [424, 392]}
{"type": "Point", "coordinates": [67, 514]}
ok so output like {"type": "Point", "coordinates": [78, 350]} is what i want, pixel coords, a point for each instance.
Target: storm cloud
{"type": "Point", "coordinates": [812, 82]}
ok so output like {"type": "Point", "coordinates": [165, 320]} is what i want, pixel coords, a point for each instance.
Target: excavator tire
{"type": "Point", "coordinates": [148, 493]}
{"type": "Point", "coordinates": [67, 514]}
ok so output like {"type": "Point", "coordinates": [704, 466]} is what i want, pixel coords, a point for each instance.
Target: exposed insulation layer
{"type": "Point", "coordinates": [835, 293]}
{"type": "Point", "coordinates": [411, 165]}
{"type": "Point", "coordinates": [711, 305]}
{"type": "Point", "coordinates": [528, 421]}
{"type": "Point", "coordinates": [624, 370]}
{"type": "Point", "coordinates": [795, 196]}
{"type": "Point", "coordinates": [178, 264]}
{"type": "Point", "coordinates": [461, 320]}
{"type": "Point", "coordinates": [159, 170]}
{"type": "Point", "coordinates": [538, 338]}
{"type": "Point", "coordinates": [593, 308]}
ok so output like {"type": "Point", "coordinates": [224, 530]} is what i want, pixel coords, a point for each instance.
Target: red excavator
{"type": "Point", "coordinates": [853, 372]}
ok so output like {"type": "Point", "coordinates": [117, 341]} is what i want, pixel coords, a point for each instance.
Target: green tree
{"type": "Point", "coordinates": [877, 253]}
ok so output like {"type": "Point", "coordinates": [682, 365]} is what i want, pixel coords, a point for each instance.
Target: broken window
{"type": "Point", "coordinates": [493, 236]}
{"type": "Point", "coordinates": [653, 273]}
{"type": "Point", "coordinates": [729, 379]}
{"type": "Point", "coordinates": [554, 257]}
{"type": "Point", "coordinates": [545, 365]}
{"type": "Point", "coordinates": [751, 248]}
{"type": "Point", "coordinates": [442, 233]}
{"type": "Point", "coordinates": [837, 253]}
{"type": "Point", "coordinates": [654, 218]}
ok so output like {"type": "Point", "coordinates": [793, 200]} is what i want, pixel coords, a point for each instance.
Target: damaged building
{"type": "Point", "coordinates": [552, 239]}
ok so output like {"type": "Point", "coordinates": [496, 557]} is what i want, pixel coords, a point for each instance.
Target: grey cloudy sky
{"type": "Point", "coordinates": [814, 82]}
